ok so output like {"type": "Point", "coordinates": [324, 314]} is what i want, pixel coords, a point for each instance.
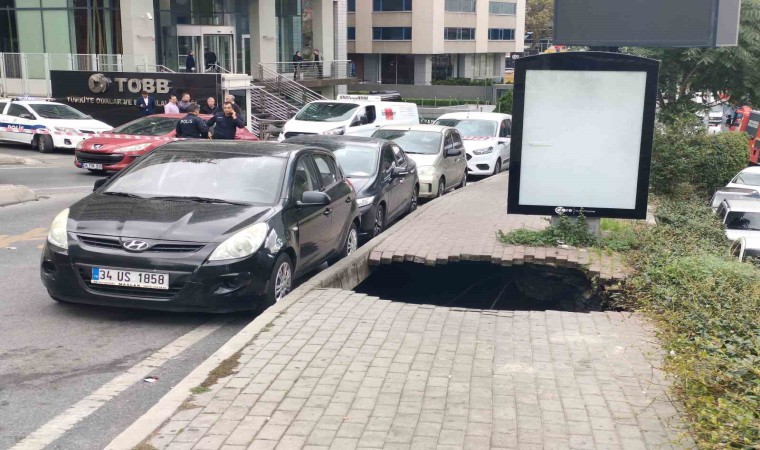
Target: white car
{"type": "Point", "coordinates": [438, 152]}
{"type": "Point", "coordinates": [748, 178]}
{"type": "Point", "coordinates": [64, 126]}
{"type": "Point", "coordinates": [487, 138]}
{"type": "Point", "coordinates": [742, 221]}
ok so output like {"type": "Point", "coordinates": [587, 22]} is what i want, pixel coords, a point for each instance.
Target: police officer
{"type": "Point", "coordinates": [226, 122]}
{"type": "Point", "coordinates": [191, 126]}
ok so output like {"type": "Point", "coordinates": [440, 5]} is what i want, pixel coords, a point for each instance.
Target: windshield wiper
{"type": "Point", "coordinates": [199, 200]}
{"type": "Point", "coordinates": [123, 194]}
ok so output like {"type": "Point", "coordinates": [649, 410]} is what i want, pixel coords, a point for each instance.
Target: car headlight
{"type": "Point", "coordinates": [426, 171]}
{"type": "Point", "coordinates": [366, 201]}
{"type": "Point", "coordinates": [241, 244]}
{"type": "Point", "coordinates": [66, 130]}
{"type": "Point", "coordinates": [134, 148]}
{"type": "Point", "coordinates": [58, 235]}
{"type": "Point", "coordinates": [80, 145]}
{"type": "Point", "coordinates": [336, 131]}
{"type": "Point", "coordinates": [483, 151]}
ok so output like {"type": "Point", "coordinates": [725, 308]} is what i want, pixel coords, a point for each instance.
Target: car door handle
{"type": "Point", "coordinates": [349, 199]}
{"type": "Point", "coordinates": [327, 212]}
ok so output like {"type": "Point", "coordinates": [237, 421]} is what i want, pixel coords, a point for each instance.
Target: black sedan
{"type": "Point", "coordinates": [384, 177]}
{"type": "Point", "coordinates": [195, 226]}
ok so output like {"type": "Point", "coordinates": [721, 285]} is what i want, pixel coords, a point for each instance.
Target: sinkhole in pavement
{"type": "Point", "coordinates": [486, 286]}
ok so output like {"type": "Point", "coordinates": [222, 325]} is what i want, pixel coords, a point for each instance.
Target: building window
{"type": "Point", "coordinates": [391, 5]}
{"type": "Point", "coordinates": [459, 34]}
{"type": "Point", "coordinates": [501, 34]}
{"type": "Point", "coordinates": [466, 6]}
{"type": "Point", "coordinates": [351, 34]}
{"type": "Point", "coordinates": [397, 69]}
{"type": "Point", "coordinates": [443, 66]}
{"type": "Point", "coordinates": [351, 5]}
{"type": "Point", "coordinates": [391, 33]}
{"type": "Point", "coordinates": [503, 8]}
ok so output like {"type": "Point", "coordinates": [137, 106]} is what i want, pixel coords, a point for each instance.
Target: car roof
{"type": "Point", "coordinates": [754, 169]}
{"type": "Point", "coordinates": [737, 190]}
{"type": "Point", "coordinates": [334, 141]}
{"type": "Point", "coordinates": [254, 148]}
{"type": "Point", "coordinates": [743, 205]}
{"type": "Point", "coordinates": [476, 115]}
{"type": "Point", "coordinates": [421, 127]}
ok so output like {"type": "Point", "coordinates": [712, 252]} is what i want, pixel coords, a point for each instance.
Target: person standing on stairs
{"type": "Point", "coordinates": [297, 61]}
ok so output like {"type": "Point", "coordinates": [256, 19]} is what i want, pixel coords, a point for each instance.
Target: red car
{"type": "Point", "coordinates": [117, 149]}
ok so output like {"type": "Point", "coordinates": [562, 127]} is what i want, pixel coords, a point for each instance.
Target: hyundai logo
{"type": "Point", "coordinates": [135, 246]}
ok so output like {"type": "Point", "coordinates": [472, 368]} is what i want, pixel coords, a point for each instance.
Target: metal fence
{"type": "Point", "coordinates": [310, 70]}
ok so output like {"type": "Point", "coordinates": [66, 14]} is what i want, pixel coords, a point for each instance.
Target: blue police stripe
{"type": "Point", "coordinates": [21, 127]}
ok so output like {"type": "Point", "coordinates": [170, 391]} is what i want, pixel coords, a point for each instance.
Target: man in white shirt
{"type": "Point", "coordinates": [171, 107]}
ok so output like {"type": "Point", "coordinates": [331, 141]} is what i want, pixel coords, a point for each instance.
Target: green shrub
{"type": "Point", "coordinates": [463, 82]}
{"type": "Point", "coordinates": [566, 231]}
{"type": "Point", "coordinates": [435, 102]}
{"type": "Point", "coordinates": [686, 158]}
{"type": "Point", "coordinates": [504, 104]}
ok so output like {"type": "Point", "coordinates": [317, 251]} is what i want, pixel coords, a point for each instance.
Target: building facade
{"type": "Point", "coordinates": [420, 41]}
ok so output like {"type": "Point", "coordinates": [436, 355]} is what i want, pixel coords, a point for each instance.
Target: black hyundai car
{"type": "Point", "coordinates": [195, 226]}
{"type": "Point", "coordinates": [384, 177]}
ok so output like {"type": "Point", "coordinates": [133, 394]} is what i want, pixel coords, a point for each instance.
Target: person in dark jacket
{"type": "Point", "coordinates": [297, 60]}
{"type": "Point", "coordinates": [190, 62]}
{"type": "Point", "coordinates": [184, 103]}
{"type": "Point", "coordinates": [317, 62]}
{"type": "Point", "coordinates": [225, 123]}
{"type": "Point", "coordinates": [210, 107]}
{"type": "Point", "coordinates": [229, 98]}
{"type": "Point", "coordinates": [191, 126]}
{"type": "Point", "coordinates": [210, 57]}
{"type": "Point", "coordinates": [146, 104]}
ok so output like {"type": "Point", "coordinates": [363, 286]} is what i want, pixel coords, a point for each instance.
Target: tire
{"type": "Point", "coordinates": [380, 218]}
{"type": "Point", "coordinates": [497, 167]}
{"type": "Point", "coordinates": [352, 241]}
{"type": "Point", "coordinates": [415, 199]}
{"type": "Point", "coordinates": [441, 188]}
{"type": "Point", "coordinates": [464, 180]}
{"type": "Point", "coordinates": [45, 143]}
{"type": "Point", "coordinates": [506, 166]}
{"type": "Point", "coordinates": [280, 282]}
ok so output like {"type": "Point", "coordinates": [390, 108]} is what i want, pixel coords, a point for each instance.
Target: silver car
{"type": "Point", "coordinates": [438, 152]}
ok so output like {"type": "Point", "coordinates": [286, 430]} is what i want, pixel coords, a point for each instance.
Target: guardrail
{"type": "Point", "coordinates": [312, 70]}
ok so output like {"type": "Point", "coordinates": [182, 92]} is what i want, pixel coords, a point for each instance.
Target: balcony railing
{"type": "Point", "coordinates": [311, 70]}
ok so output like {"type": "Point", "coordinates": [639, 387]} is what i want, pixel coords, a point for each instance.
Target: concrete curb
{"type": "Point", "coordinates": [346, 274]}
{"type": "Point", "coordinates": [12, 194]}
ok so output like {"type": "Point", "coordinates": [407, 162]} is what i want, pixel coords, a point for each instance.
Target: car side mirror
{"type": "Point", "coordinates": [314, 198]}
{"type": "Point", "coordinates": [26, 116]}
{"type": "Point", "coordinates": [99, 183]}
{"type": "Point", "coordinates": [453, 152]}
{"type": "Point", "coordinates": [399, 172]}
{"type": "Point", "coordinates": [356, 123]}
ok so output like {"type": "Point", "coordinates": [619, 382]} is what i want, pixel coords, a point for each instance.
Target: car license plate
{"type": "Point", "coordinates": [92, 166]}
{"type": "Point", "coordinates": [128, 278]}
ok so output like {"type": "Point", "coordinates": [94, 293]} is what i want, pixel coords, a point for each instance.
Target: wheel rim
{"type": "Point", "coordinates": [441, 188]}
{"type": "Point", "coordinates": [282, 281]}
{"type": "Point", "coordinates": [379, 221]}
{"type": "Point", "coordinates": [352, 242]}
{"type": "Point", "coordinates": [413, 206]}
{"type": "Point", "coordinates": [41, 144]}
{"type": "Point", "coordinates": [464, 179]}
{"type": "Point", "coordinates": [497, 169]}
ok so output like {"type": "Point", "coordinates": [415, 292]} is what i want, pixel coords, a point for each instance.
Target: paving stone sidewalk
{"type": "Point", "coordinates": [341, 370]}
{"type": "Point", "coordinates": [463, 226]}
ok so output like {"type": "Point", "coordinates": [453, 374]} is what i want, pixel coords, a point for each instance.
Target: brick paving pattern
{"type": "Point", "coordinates": [341, 370]}
{"type": "Point", "coordinates": [464, 227]}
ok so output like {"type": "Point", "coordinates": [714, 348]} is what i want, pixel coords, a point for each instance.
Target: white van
{"type": "Point", "coordinates": [354, 115]}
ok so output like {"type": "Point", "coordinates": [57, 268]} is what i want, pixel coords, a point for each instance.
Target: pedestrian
{"type": "Point", "coordinates": [171, 107]}
{"type": "Point", "coordinates": [317, 62]}
{"type": "Point", "coordinates": [210, 106]}
{"type": "Point", "coordinates": [210, 58]}
{"type": "Point", "coordinates": [184, 103]}
{"type": "Point", "coordinates": [297, 61]}
{"type": "Point", "coordinates": [231, 99]}
{"type": "Point", "coordinates": [225, 123]}
{"type": "Point", "coordinates": [146, 104]}
{"type": "Point", "coordinates": [191, 126]}
{"type": "Point", "coordinates": [190, 62]}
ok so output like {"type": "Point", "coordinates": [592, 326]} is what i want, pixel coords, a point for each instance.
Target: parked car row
{"type": "Point", "coordinates": [738, 207]}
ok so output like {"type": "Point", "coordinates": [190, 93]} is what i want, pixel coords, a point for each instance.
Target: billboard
{"type": "Point", "coordinates": [110, 96]}
{"type": "Point", "coordinates": [582, 128]}
{"type": "Point", "coordinates": [647, 23]}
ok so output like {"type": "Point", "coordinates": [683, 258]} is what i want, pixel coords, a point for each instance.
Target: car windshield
{"type": "Point", "coordinates": [357, 160]}
{"type": "Point", "coordinates": [148, 126]}
{"type": "Point", "coordinates": [720, 196]}
{"type": "Point", "coordinates": [53, 111]}
{"type": "Point", "coordinates": [327, 112]}
{"type": "Point", "coordinates": [230, 178]}
{"type": "Point", "coordinates": [749, 178]}
{"type": "Point", "coordinates": [738, 220]}
{"type": "Point", "coordinates": [471, 127]}
{"type": "Point", "coordinates": [413, 142]}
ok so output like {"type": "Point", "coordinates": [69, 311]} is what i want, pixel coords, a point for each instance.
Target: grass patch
{"type": "Point", "coordinates": [144, 446]}
{"type": "Point", "coordinates": [225, 369]}
{"type": "Point", "coordinates": [199, 390]}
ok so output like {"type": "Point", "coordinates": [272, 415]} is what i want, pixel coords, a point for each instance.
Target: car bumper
{"type": "Point", "coordinates": [429, 186]}
{"type": "Point", "coordinates": [111, 161]}
{"type": "Point", "coordinates": [193, 284]}
{"type": "Point", "coordinates": [367, 221]}
{"type": "Point", "coordinates": [481, 164]}
{"type": "Point", "coordinates": [70, 142]}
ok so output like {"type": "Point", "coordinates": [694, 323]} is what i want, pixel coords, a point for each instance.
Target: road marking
{"type": "Point", "coordinates": [65, 421]}
{"type": "Point", "coordinates": [36, 234]}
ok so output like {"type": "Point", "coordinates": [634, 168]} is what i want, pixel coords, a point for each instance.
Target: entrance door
{"type": "Point", "coordinates": [220, 42]}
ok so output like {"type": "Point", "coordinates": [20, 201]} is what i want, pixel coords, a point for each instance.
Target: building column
{"type": "Point", "coordinates": [499, 60]}
{"type": "Point", "coordinates": [323, 24]}
{"type": "Point", "coordinates": [340, 35]}
{"type": "Point", "coordinates": [465, 63]}
{"type": "Point", "coordinates": [423, 69]}
{"type": "Point", "coordinates": [138, 33]}
{"type": "Point", "coordinates": [263, 25]}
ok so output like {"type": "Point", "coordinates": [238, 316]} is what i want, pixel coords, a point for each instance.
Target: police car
{"type": "Point", "coordinates": [45, 125]}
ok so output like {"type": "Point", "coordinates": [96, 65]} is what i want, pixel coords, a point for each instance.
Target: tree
{"type": "Point", "coordinates": [690, 72]}
{"type": "Point", "coordinates": [539, 19]}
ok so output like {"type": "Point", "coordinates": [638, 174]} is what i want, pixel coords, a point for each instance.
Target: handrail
{"type": "Point", "coordinates": [277, 82]}
{"type": "Point", "coordinates": [158, 68]}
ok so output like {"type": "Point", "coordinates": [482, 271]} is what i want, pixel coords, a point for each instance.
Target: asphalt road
{"type": "Point", "coordinates": [54, 355]}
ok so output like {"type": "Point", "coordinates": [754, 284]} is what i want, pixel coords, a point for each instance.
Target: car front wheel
{"type": "Point", "coordinates": [45, 143]}
{"type": "Point", "coordinates": [280, 281]}
{"type": "Point", "coordinates": [497, 167]}
{"type": "Point", "coordinates": [352, 241]}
